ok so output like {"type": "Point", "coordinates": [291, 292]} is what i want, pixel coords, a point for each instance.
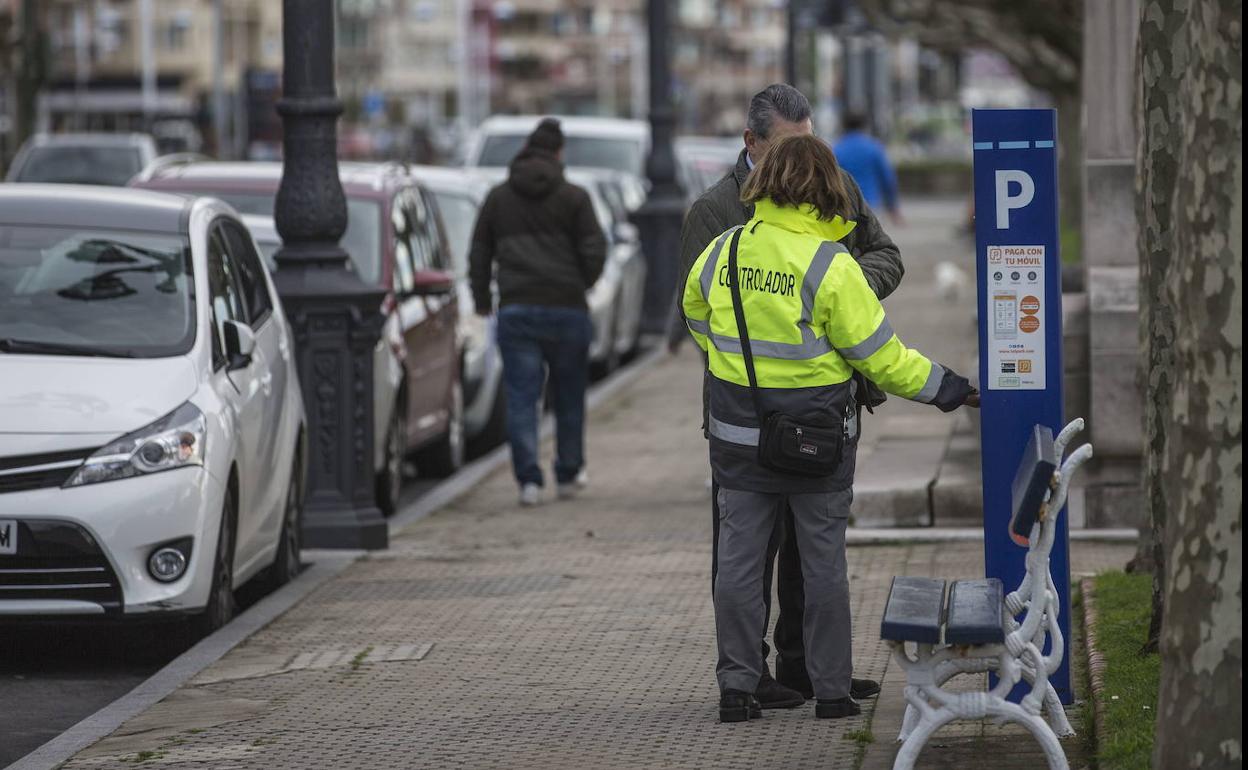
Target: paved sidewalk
{"type": "Point", "coordinates": [574, 635]}
{"type": "Point", "coordinates": [905, 444]}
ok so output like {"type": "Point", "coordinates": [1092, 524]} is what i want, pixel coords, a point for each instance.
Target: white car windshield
{"type": "Point", "coordinates": [67, 291]}
{"type": "Point", "coordinates": [459, 215]}
{"type": "Point", "coordinates": [617, 153]}
{"type": "Point", "coordinates": [362, 239]}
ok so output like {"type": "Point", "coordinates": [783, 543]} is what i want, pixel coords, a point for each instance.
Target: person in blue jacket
{"type": "Point", "coordinates": [864, 158]}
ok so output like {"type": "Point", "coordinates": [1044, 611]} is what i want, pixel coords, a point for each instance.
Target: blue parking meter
{"type": "Point", "coordinates": [1020, 329]}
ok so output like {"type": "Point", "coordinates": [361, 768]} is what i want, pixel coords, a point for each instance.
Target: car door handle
{"type": "Point", "coordinates": [266, 383]}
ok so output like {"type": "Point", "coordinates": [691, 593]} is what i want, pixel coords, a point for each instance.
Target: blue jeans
{"type": "Point", "coordinates": [534, 340]}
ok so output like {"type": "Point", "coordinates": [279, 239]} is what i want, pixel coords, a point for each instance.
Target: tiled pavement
{"type": "Point", "coordinates": [574, 635]}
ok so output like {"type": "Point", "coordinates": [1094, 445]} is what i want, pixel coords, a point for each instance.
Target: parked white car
{"type": "Point", "coordinates": [152, 431]}
{"type": "Point", "coordinates": [87, 158]}
{"type": "Point", "coordinates": [620, 145]}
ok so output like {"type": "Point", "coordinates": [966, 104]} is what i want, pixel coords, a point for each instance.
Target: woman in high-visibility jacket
{"type": "Point", "coordinates": [811, 320]}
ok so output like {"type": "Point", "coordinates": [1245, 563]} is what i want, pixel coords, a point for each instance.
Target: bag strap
{"type": "Point", "coordinates": [743, 332]}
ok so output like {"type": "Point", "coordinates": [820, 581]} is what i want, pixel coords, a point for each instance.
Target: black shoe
{"type": "Point", "coordinates": [794, 677]}
{"type": "Point", "coordinates": [773, 695]}
{"type": "Point", "coordinates": [738, 706]}
{"type": "Point", "coordinates": [863, 688]}
{"type": "Point", "coordinates": [835, 708]}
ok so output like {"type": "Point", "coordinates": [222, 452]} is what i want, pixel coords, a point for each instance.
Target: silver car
{"type": "Point", "coordinates": [101, 159]}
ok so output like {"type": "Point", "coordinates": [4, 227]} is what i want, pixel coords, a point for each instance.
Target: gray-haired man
{"type": "Point", "coordinates": [781, 110]}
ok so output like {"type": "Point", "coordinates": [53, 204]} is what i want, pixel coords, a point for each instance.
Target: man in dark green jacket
{"type": "Point", "coordinates": [776, 111]}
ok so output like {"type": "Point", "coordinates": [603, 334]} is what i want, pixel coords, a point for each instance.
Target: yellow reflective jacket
{"type": "Point", "coordinates": [812, 320]}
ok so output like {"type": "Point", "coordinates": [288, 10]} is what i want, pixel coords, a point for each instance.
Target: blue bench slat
{"type": "Point", "coordinates": [974, 615]}
{"type": "Point", "coordinates": [914, 610]}
{"type": "Point", "coordinates": [1031, 481]}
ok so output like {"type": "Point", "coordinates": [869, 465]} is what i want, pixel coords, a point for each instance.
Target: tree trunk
{"type": "Point", "coordinates": [1069, 105]}
{"type": "Point", "coordinates": [1201, 470]}
{"type": "Point", "coordinates": [1160, 69]}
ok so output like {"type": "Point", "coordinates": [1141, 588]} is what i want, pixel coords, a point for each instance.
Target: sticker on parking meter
{"type": "Point", "coordinates": [1016, 329]}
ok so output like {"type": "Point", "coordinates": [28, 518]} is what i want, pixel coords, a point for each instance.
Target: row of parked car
{"type": "Point", "coordinates": [153, 438]}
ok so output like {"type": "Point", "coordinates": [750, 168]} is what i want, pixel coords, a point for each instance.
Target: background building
{"type": "Point", "coordinates": [416, 75]}
{"type": "Point", "coordinates": [126, 64]}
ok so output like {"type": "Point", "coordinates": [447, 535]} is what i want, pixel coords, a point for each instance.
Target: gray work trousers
{"type": "Point", "coordinates": [746, 521]}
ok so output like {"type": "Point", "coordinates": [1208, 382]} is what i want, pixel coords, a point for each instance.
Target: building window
{"type": "Point", "coordinates": [174, 34]}
{"type": "Point", "coordinates": [424, 10]}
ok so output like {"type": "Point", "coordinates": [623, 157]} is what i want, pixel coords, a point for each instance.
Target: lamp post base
{"type": "Point", "coordinates": [336, 322]}
{"type": "Point", "coordinates": [333, 526]}
{"type": "Point", "coordinates": [659, 221]}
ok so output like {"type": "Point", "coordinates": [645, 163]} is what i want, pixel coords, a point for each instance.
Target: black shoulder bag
{"type": "Point", "coordinates": [785, 444]}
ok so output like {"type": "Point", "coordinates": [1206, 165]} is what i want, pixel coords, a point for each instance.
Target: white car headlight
{"type": "Point", "coordinates": [174, 441]}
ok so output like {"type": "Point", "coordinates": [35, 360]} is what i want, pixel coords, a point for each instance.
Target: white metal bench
{"type": "Point", "coordinates": [972, 628]}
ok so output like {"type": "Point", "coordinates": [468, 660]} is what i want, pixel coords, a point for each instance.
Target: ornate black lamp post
{"type": "Point", "coordinates": [659, 218]}
{"type": "Point", "coordinates": [336, 317]}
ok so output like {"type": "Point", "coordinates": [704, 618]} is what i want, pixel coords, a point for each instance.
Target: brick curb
{"type": "Point", "coordinates": [1096, 661]}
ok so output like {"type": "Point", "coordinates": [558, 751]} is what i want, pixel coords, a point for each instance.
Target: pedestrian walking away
{"type": "Point", "coordinates": [538, 238]}
{"type": "Point", "coordinates": [786, 316]}
{"type": "Point", "coordinates": [863, 157]}
{"type": "Point", "coordinates": [775, 112]}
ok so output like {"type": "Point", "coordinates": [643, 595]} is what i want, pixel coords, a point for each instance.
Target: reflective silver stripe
{"type": "Point", "coordinates": [733, 434]}
{"type": "Point", "coordinates": [878, 338]}
{"type": "Point", "coordinates": [932, 386]}
{"type": "Point", "coordinates": [784, 351]}
{"type": "Point", "coordinates": [701, 327]}
{"type": "Point", "coordinates": [708, 270]}
{"type": "Point", "coordinates": [819, 266]}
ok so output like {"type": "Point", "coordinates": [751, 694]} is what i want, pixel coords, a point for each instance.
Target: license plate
{"type": "Point", "coordinates": [8, 536]}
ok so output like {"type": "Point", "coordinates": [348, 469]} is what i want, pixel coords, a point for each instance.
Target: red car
{"type": "Point", "coordinates": [396, 241]}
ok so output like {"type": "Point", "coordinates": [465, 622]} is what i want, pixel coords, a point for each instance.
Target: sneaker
{"type": "Point", "coordinates": [569, 489]}
{"type": "Point", "coordinates": [773, 695]}
{"type": "Point", "coordinates": [836, 708]}
{"type": "Point", "coordinates": [530, 494]}
{"type": "Point", "coordinates": [738, 706]}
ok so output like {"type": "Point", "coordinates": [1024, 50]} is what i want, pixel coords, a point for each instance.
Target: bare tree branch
{"type": "Point", "coordinates": [1042, 39]}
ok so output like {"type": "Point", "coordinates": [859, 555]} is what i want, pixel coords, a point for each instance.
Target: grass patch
{"type": "Point", "coordinates": [358, 660]}
{"type": "Point", "coordinates": [1123, 603]}
{"type": "Point", "coordinates": [146, 756]}
{"type": "Point", "coordinates": [862, 738]}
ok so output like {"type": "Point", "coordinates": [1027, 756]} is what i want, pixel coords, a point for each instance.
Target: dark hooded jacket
{"type": "Point", "coordinates": [542, 233]}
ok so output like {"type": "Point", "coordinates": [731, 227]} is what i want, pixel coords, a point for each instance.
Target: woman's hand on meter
{"type": "Point", "coordinates": [972, 399]}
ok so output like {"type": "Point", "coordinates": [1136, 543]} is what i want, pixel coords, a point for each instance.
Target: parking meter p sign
{"type": "Point", "coordinates": [1020, 327]}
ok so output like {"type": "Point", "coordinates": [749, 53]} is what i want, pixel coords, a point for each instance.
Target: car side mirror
{"type": "Point", "coordinates": [626, 232]}
{"type": "Point", "coordinates": [240, 343]}
{"type": "Point", "coordinates": [432, 283]}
